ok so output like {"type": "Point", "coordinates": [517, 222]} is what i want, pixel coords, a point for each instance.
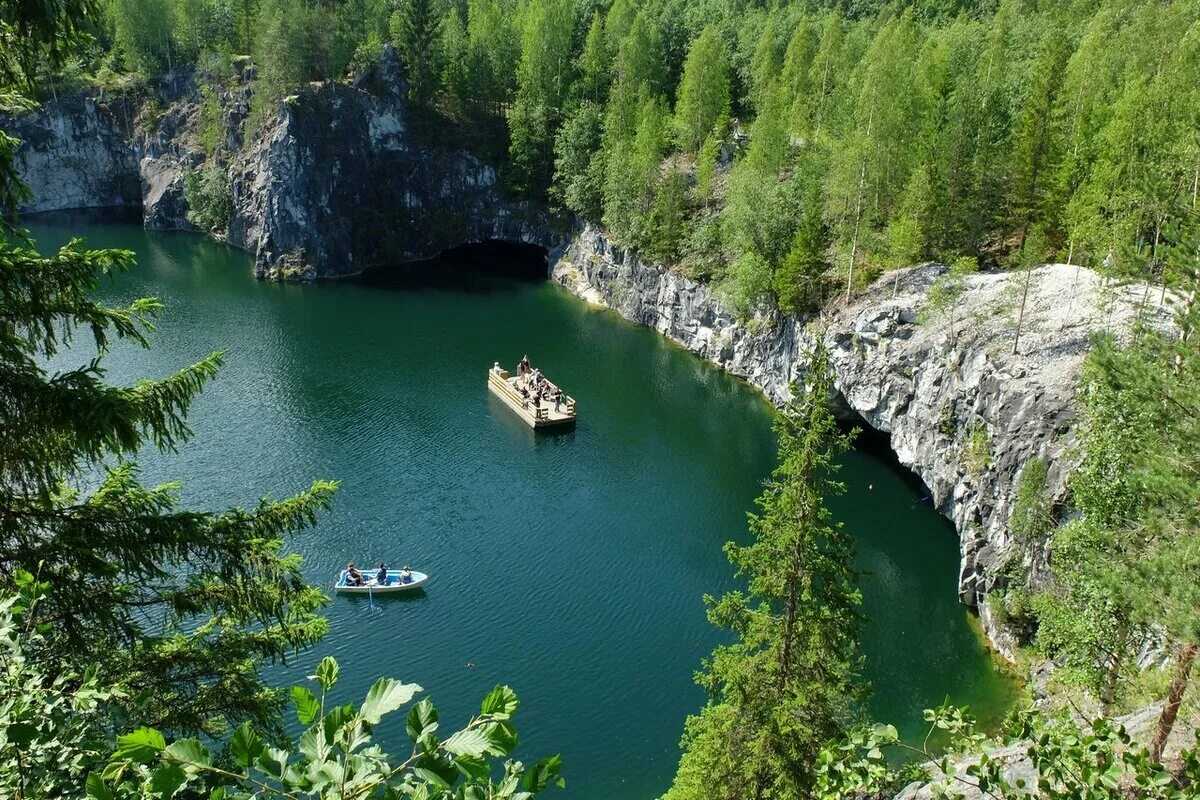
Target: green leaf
{"type": "Point", "coordinates": [246, 745]}
{"type": "Point", "coordinates": [141, 746]}
{"type": "Point", "coordinates": [327, 673]}
{"type": "Point", "coordinates": [543, 773]}
{"type": "Point", "coordinates": [386, 696]}
{"type": "Point", "coordinates": [422, 719]}
{"type": "Point", "coordinates": [188, 751]}
{"type": "Point", "coordinates": [21, 734]}
{"type": "Point", "coordinates": [472, 768]}
{"type": "Point", "coordinates": [502, 736]}
{"type": "Point", "coordinates": [167, 779]}
{"type": "Point", "coordinates": [273, 762]}
{"type": "Point", "coordinates": [97, 789]}
{"type": "Point", "coordinates": [308, 707]}
{"type": "Point", "coordinates": [500, 703]}
{"type": "Point", "coordinates": [430, 776]}
{"type": "Point", "coordinates": [472, 742]}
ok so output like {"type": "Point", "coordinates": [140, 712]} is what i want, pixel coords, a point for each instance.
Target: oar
{"type": "Point", "coordinates": [371, 597]}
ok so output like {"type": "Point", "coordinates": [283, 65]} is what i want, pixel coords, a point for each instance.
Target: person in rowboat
{"type": "Point", "coordinates": [353, 576]}
{"type": "Point", "coordinates": [381, 577]}
{"type": "Point", "coordinates": [406, 574]}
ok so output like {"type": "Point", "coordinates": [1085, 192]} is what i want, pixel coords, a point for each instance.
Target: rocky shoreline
{"type": "Point", "coordinates": [333, 184]}
{"type": "Point", "coordinates": [931, 384]}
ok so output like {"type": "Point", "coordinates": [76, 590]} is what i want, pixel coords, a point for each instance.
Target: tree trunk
{"type": "Point", "coordinates": [1179, 684]}
{"type": "Point", "coordinates": [789, 620]}
{"type": "Point", "coordinates": [1108, 692]}
{"type": "Point", "coordinates": [862, 179]}
{"type": "Point", "coordinates": [1021, 313]}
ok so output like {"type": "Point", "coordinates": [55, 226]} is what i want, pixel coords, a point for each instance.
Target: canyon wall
{"type": "Point", "coordinates": [963, 411]}
{"type": "Point", "coordinates": [329, 184]}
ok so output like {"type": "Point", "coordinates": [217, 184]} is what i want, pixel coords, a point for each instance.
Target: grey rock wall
{"type": "Point", "coordinates": [77, 152]}
{"type": "Point", "coordinates": [332, 183]}
{"type": "Point", "coordinates": [927, 384]}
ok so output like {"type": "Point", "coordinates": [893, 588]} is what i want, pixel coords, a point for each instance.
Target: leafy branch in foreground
{"type": "Point", "coordinates": [336, 757]}
{"type": "Point", "coordinates": [1039, 756]}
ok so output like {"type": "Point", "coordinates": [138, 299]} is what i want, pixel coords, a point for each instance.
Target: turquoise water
{"type": "Point", "coordinates": [569, 566]}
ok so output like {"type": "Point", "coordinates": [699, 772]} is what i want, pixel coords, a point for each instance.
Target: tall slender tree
{"type": "Point", "coordinates": [789, 681]}
{"type": "Point", "coordinates": [703, 96]}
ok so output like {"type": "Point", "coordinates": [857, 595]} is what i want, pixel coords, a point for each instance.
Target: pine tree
{"type": "Point", "coordinates": [798, 281]}
{"type": "Point", "coordinates": [415, 29]}
{"type": "Point", "coordinates": [183, 605]}
{"type": "Point", "coordinates": [594, 73]}
{"type": "Point", "coordinates": [764, 66]}
{"type": "Point", "coordinates": [787, 684]}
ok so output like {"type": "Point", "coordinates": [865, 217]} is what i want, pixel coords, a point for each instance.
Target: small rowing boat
{"type": "Point", "coordinates": [398, 580]}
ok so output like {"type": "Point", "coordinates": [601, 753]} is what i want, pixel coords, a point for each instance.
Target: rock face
{"type": "Point", "coordinates": [77, 152]}
{"type": "Point", "coordinates": [334, 184]}
{"type": "Point", "coordinates": [330, 185]}
{"type": "Point", "coordinates": [940, 388]}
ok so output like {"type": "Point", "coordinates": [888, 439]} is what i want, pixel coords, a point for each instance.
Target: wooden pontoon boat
{"type": "Point", "coordinates": [537, 413]}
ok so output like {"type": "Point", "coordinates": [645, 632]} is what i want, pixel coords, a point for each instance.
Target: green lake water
{"type": "Point", "coordinates": [569, 566]}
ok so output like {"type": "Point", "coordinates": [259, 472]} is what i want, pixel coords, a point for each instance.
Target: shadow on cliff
{"type": "Point", "coordinates": [482, 267]}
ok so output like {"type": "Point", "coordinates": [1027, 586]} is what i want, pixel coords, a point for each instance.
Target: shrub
{"type": "Point", "coordinates": [209, 199]}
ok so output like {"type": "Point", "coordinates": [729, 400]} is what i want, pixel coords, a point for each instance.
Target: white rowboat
{"type": "Point", "coordinates": [395, 582]}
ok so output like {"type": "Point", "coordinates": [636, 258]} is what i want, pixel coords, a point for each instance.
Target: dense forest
{"type": "Point", "coordinates": [786, 150]}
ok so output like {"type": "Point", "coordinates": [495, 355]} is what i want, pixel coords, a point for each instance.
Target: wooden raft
{"type": "Point", "coordinates": [500, 383]}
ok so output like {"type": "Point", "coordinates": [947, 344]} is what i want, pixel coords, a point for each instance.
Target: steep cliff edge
{"type": "Point", "coordinates": [937, 387]}
{"type": "Point", "coordinates": [77, 152]}
{"type": "Point", "coordinates": [334, 184]}
{"type": "Point", "coordinates": [330, 184]}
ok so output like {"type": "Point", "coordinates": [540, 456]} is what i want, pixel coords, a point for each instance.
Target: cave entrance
{"type": "Point", "coordinates": [475, 266]}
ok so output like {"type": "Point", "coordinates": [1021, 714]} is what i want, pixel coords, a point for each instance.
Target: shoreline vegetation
{"type": "Point", "coordinates": [788, 154]}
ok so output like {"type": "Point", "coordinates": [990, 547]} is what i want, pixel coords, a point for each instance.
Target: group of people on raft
{"type": "Point", "coordinates": [534, 387]}
{"type": "Point", "coordinates": [355, 577]}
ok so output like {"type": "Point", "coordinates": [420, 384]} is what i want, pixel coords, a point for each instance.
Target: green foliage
{"type": "Point", "coordinates": [798, 281]}
{"type": "Point", "coordinates": [54, 727]}
{"type": "Point", "coordinates": [706, 169]}
{"type": "Point", "coordinates": [664, 224]}
{"type": "Point", "coordinates": [1032, 517]}
{"type": "Point", "coordinates": [947, 289]}
{"type": "Point", "coordinates": [209, 198]}
{"type": "Point", "coordinates": [143, 29]}
{"type": "Point", "coordinates": [632, 173]}
{"type": "Point", "coordinates": [543, 77]}
{"type": "Point", "coordinates": [930, 133]}
{"type": "Point", "coordinates": [414, 28]}
{"type": "Point", "coordinates": [1125, 565]}
{"type": "Point", "coordinates": [579, 164]}
{"type": "Point", "coordinates": [336, 757]}
{"type": "Point", "coordinates": [976, 453]}
{"type": "Point", "coordinates": [789, 681]}
{"type": "Point", "coordinates": [141, 586]}
{"type": "Point", "coordinates": [1097, 759]}
{"type": "Point", "coordinates": [210, 129]}
{"type": "Point", "coordinates": [703, 104]}
{"type": "Point", "coordinates": [593, 66]}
